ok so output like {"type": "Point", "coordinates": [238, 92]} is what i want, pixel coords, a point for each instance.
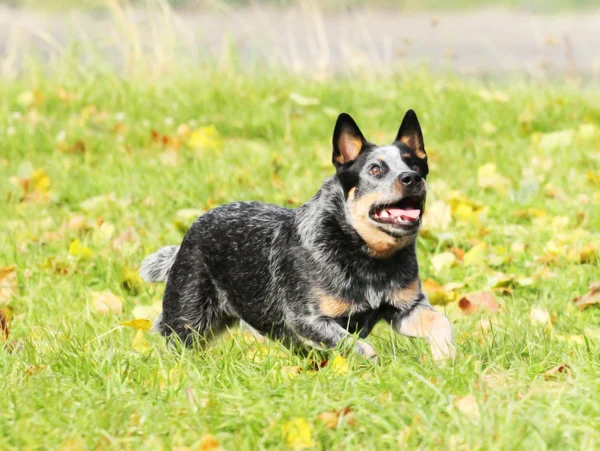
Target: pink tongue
{"type": "Point", "coordinates": [405, 215]}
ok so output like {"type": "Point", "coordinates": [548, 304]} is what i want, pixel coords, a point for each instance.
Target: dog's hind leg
{"type": "Point", "coordinates": [194, 310]}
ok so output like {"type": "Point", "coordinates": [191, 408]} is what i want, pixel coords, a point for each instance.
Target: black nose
{"type": "Point", "coordinates": [410, 178]}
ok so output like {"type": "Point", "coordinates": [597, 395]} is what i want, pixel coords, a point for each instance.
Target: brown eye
{"type": "Point", "coordinates": [375, 170]}
{"type": "Point", "coordinates": [416, 169]}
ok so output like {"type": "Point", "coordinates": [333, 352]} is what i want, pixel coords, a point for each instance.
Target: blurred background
{"type": "Point", "coordinates": [535, 38]}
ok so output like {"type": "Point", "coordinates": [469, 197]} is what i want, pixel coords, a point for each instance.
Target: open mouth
{"type": "Point", "coordinates": [406, 211]}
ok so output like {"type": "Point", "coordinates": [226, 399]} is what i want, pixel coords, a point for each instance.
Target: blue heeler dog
{"type": "Point", "coordinates": [314, 275]}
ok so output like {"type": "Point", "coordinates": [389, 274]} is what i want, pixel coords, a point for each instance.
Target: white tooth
{"type": "Point", "coordinates": [384, 214]}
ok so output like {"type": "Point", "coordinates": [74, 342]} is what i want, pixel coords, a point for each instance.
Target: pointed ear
{"type": "Point", "coordinates": [348, 141]}
{"type": "Point", "coordinates": [411, 135]}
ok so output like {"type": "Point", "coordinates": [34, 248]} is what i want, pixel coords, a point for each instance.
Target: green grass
{"type": "Point", "coordinates": [70, 376]}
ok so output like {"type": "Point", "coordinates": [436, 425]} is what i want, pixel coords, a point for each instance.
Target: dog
{"type": "Point", "coordinates": [317, 276]}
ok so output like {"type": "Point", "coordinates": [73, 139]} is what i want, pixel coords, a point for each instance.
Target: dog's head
{"type": "Point", "coordinates": [384, 185]}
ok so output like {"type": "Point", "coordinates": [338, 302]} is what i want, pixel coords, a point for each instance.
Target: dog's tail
{"type": "Point", "coordinates": [156, 267]}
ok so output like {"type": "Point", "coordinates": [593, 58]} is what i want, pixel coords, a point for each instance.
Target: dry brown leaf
{"type": "Point", "coordinates": [335, 418]}
{"type": "Point", "coordinates": [34, 369]}
{"type": "Point", "coordinates": [563, 368]}
{"type": "Point", "coordinates": [8, 283]}
{"type": "Point", "coordinates": [592, 297]}
{"type": "Point", "coordinates": [6, 316]}
{"type": "Point", "coordinates": [105, 302]}
{"type": "Point", "coordinates": [473, 302]}
{"type": "Point", "coordinates": [467, 405]}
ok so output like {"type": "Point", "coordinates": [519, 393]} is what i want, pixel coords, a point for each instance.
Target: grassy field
{"type": "Point", "coordinates": [97, 171]}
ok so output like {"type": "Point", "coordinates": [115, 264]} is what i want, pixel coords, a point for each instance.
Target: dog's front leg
{"type": "Point", "coordinates": [426, 322]}
{"type": "Point", "coordinates": [322, 331]}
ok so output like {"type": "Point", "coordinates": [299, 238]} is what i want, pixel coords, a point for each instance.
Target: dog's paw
{"type": "Point", "coordinates": [367, 351]}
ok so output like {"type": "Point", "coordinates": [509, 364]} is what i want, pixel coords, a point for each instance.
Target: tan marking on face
{"type": "Point", "coordinates": [350, 146]}
{"type": "Point", "coordinates": [405, 297]}
{"type": "Point", "coordinates": [333, 307]}
{"type": "Point", "coordinates": [420, 153]}
{"type": "Point", "coordinates": [381, 244]}
{"type": "Point", "coordinates": [380, 158]}
{"type": "Point", "coordinates": [405, 155]}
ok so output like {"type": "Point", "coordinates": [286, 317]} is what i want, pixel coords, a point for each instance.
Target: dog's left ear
{"type": "Point", "coordinates": [348, 141]}
{"type": "Point", "coordinates": [411, 135]}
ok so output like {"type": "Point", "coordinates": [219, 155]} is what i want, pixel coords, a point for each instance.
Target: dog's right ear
{"type": "Point", "coordinates": [348, 141]}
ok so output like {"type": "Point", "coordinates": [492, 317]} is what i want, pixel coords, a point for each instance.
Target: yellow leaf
{"type": "Point", "coordinates": [76, 249]}
{"type": "Point", "coordinates": [139, 342]}
{"type": "Point", "coordinates": [340, 365]}
{"type": "Point", "coordinates": [208, 442]}
{"type": "Point", "coordinates": [105, 302]}
{"type": "Point", "coordinates": [443, 261]}
{"type": "Point", "coordinates": [475, 255]}
{"type": "Point", "coordinates": [138, 324]}
{"type": "Point", "coordinates": [298, 434]}
{"type": "Point", "coordinates": [40, 181]}
{"type": "Point", "coordinates": [131, 281]}
{"type": "Point", "coordinates": [205, 138]}
{"type": "Point", "coordinates": [593, 178]}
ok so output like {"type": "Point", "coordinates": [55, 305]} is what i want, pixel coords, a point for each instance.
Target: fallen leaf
{"type": "Point", "coordinates": [467, 405]}
{"type": "Point", "coordinates": [443, 261]}
{"type": "Point", "coordinates": [105, 302]}
{"type": "Point", "coordinates": [438, 294]}
{"type": "Point", "coordinates": [131, 281]}
{"type": "Point", "coordinates": [289, 372]}
{"type": "Point", "coordinates": [335, 418]}
{"type": "Point", "coordinates": [475, 255]}
{"type": "Point", "coordinates": [34, 369]}
{"type": "Point", "coordinates": [76, 249]}
{"type": "Point", "coordinates": [138, 324]}
{"type": "Point", "coordinates": [8, 283]}
{"type": "Point", "coordinates": [473, 302]}
{"type": "Point", "coordinates": [208, 442]}
{"type": "Point", "coordinates": [592, 297]}
{"type": "Point", "coordinates": [298, 434]}
{"type": "Point", "coordinates": [539, 317]}
{"type": "Point", "coordinates": [340, 365]}
{"type": "Point", "coordinates": [139, 342]}
{"type": "Point", "coordinates": [205, 138]}
{"type": "Point", "coordinates": [593, 177]}
{"type": "Point", "coordinates": [6, 316]}
{"type": "Point", "coordinates": [563, 368]}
